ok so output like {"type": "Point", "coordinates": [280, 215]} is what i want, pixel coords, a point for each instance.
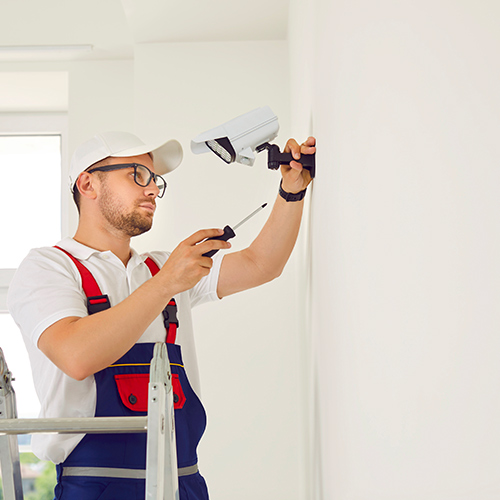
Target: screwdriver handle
{"type": "Point", "coordinates": [228, 234]}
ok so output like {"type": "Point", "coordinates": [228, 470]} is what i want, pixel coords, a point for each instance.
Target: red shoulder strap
{"type": "Point", "coordinates": [89, 284]}
{"type": "Point", "coordinates": [96, 301]}
{"type": "Point", "coordinates": [153, 266]}
{"type": "Point", "coordinates": [170, 312]}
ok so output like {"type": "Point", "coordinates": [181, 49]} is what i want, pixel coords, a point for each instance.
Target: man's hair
{"type": "Point", "coordinates": [76, 197]}
{"type": "Point", "coordinates": [76, 193]}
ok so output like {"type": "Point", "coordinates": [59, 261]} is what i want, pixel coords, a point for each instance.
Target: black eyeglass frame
{"type": "Point", "coordinates": [120, 166]}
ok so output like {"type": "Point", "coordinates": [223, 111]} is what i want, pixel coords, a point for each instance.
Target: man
{"type": "Point", "coordinates": [91, 309]}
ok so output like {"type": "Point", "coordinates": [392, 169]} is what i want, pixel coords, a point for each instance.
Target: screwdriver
{"type": "Point", "coordinates": [229, 232]}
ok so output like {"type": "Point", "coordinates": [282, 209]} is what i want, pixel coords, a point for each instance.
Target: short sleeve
{"type": "Point", "coordinates": [206, 289]}
{"type": "Point", "coordinates": [45, 289]}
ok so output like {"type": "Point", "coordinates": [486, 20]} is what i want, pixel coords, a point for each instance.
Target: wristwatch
{"type": "Point", "coordinates": [291, 196]}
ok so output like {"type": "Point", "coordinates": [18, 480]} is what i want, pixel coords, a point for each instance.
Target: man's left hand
{"type": "Point", "coordinates": [295, 177]}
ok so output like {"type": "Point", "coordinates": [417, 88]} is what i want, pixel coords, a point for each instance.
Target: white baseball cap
{"type": "Point", "coordinates": [166, 157]}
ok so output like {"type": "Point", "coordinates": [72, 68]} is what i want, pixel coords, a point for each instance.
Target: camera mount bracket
{"type": "Point", "coordinates": [275, 158]}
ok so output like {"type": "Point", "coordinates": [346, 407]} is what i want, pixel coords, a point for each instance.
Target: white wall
{"type": "Point", "coordinates": [247, 344]}
{"type": "Point", "coordinates": [405, 238]}
{"type": "Point", "coordinates": [302, 57]}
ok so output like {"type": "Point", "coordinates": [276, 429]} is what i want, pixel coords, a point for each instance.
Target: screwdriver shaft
{"type": "Point", "coordinates": [249, 217]}
{"type": "Point", "coordinates": [229, 232]}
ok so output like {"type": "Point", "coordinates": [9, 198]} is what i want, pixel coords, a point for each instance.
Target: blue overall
{"type": "Point", "coordinates": [122, 390]}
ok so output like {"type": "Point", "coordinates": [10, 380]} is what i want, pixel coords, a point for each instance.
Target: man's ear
{"type": "Point", "coordinates": [85, 184]}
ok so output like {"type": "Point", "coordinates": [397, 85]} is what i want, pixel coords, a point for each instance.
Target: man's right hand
{"type": "Point", "coordinates": [186, 265]}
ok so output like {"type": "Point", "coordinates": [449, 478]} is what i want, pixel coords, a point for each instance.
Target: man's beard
{"type": "Point", "coordinates": [130, 224]}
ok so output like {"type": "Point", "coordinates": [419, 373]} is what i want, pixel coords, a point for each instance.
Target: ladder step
{"type": "Point", "coordinates": [93, 425]}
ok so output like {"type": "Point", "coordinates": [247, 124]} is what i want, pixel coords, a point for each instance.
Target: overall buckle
{"type": "Point", "coordinates": [97, 303]}
{"type": "Point", "coordinates": [170, 314]}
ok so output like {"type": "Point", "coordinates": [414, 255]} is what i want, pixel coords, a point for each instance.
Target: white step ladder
{"type": "Point", "coordinates": [161, 458]}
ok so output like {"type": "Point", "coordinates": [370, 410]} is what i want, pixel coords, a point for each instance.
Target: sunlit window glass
{"type": "Point", "coordinates": [30, 194]}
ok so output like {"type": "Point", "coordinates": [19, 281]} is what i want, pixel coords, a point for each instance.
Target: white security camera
{"type": "Point", "coordinates": [238, 139]}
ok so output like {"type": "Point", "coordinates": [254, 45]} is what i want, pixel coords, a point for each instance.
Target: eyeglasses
{"type": "Point", "coordinates": [142, 175]}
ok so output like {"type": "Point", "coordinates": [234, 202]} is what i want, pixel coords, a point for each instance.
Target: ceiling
{"type": "Point", "coordinates": [112, 27]}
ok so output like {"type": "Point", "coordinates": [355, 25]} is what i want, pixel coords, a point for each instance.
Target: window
{"type": "Point", "coordinates": [32, 148]}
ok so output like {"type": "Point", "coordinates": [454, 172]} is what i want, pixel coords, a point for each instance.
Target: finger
{"type": "Point", "coordinates": [294, 171]}
{"type": "Point", "coordinates": [307, 150]}
{"type": "Point", "coordinates": [208, 245]}
{"type": "Point", "coordinates": [206, 262]}
{"type": "Point", "coordinates": [295, 165]}
{"type": "Point", "coordinates": [203, 234]}
{"type": "Point", "coordinates": [293, 147]}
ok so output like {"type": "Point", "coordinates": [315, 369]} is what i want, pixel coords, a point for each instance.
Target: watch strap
{"type": "Point", "coordinates": [291, 196]}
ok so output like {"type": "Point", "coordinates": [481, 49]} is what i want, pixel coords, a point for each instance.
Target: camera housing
{"type": "Point", "coordinates": [237, 139]}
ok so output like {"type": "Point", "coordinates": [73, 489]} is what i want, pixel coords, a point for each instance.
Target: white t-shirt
{"type": "Point", "coordinates": [47, 287]}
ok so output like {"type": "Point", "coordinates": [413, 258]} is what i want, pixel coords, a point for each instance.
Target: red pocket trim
{"type": "Point", "coordinates": [133, 390]}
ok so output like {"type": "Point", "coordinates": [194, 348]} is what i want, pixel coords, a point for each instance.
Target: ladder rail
{"type": "Point", "coordinates": [161, 460]}
{"type": "Point", "coordinates": [9, 449]}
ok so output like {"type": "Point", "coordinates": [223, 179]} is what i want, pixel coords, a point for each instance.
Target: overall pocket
{"type": "Point", "coordinates": [133, 391]}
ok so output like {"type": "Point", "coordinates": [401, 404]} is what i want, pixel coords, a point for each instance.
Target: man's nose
{"type": "Point", "coordinates": [152, 189]}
